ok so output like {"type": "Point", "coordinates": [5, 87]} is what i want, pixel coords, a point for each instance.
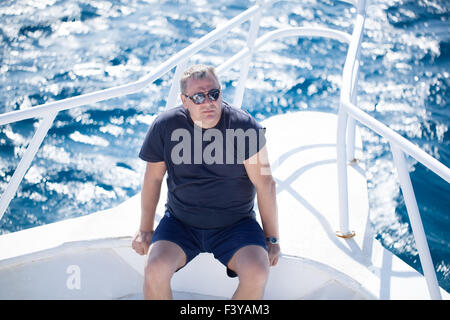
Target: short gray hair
{"type": "Point", "coordinates": [198, 71]}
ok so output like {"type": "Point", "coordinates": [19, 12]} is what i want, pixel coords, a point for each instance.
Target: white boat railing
{"type": "Point", "coordinates": [348, 113]}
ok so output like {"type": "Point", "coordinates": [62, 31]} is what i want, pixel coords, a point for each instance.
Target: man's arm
{"type": "Point", "coordinates": [258, 170]}
{"type": "Point", "coordinates": [151, 189]}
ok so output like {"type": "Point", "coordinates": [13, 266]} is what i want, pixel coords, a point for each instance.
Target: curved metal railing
{"type": "Point", "coordinates": [348, 114]}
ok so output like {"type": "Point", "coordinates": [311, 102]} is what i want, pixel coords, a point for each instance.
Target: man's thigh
{"type": "Point", "coordinates": [228, 242]}
{"type": "Point", "coordinates": [176, 236]}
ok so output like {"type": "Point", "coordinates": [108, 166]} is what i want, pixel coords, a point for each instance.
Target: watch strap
{"type": "Point", "coordinates": [273, 240]}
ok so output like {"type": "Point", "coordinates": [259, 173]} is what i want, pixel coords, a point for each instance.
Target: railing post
{"type": "Point", "coordinates": [175, 88]}
{"type": "Point", "coordinates": [416, 223]}
{"type": "Point", "coordinates": [351, 128]}
{"type": "Point", "coordinates": [351, 131]}
{"type": "Point", "coordinates": [252, 35]}
{"type": "Point", "coordinates": [25, 162]}
{"type": "Point", "coordinates": [361, 10]}
{"type": "Point", "coordinates": [341, 158]}
{"type": "Point", "coordinates": [348, 93]}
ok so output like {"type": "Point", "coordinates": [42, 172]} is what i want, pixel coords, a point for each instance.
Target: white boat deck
{"type": "Point", "coordinates": [35, 263]}
{"type": "Point", "coordinates": [302, 151]}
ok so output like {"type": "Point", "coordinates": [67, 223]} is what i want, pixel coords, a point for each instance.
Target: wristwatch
{"type": "Point", "coordinates": [273, 240]}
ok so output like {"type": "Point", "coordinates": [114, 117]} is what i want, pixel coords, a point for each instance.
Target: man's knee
{"type": "Point", "coordinates": [256, 273]}
{"type": "Point", "coordinates": [158, 268]}
{"type": "Point", "coordinates": [163, 261]}
{"type": "Point", "coordinates": [252, 265]}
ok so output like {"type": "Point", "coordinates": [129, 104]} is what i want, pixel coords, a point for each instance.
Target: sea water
{"type": "Point", "coordinates": [55, 49]}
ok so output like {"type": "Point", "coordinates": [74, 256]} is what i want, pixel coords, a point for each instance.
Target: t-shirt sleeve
{"type": "Point", "coordinates": [253, 132]}
{"type": "Point", "coordinates": [152, 149]}
{"type": "Point", "coordinates": [261, 138]}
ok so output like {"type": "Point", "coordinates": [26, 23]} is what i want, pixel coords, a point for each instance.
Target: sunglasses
{"type": "Point", "coordinates": [200, 97]}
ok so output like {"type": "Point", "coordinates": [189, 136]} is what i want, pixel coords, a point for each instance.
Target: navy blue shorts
{"type": "Point", "coordinates": [222, 242]}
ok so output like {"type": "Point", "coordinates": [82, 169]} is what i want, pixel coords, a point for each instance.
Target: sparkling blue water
{"type": "Point", "coordinates": [55, 49]}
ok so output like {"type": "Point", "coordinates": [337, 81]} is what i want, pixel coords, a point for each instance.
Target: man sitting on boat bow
{"type": "Point", "coordinates": [216, 162]}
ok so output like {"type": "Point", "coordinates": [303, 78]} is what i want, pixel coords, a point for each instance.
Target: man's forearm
{"type": "Point", "coordinates": [149, 200]}
{"type": "Point", "coordinates": [267, 205]}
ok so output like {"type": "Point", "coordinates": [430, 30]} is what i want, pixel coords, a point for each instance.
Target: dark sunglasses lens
{"type": "Point", "coordinates": [214, 94]}
{"type": "Point", "coordinates": [198, 98]}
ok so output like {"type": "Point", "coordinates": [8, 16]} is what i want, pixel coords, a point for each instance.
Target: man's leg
{"type": "Point", "coordinates": [164, 259]}
{"type": "Point", "coordinates": [251, 263]}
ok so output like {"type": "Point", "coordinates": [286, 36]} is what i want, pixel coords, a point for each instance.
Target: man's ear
{"type": "Point", "coordinates": [183, 99]}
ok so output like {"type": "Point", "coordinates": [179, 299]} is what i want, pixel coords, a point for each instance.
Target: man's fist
{"type": "Point", "coordinates": [141, 241]}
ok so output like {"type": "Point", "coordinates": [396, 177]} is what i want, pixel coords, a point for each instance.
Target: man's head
{"type": "Point", "coordinates": [200, 94]}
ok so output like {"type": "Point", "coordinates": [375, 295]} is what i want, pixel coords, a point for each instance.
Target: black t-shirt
{"type": "Point", "coordinates": [208, 186]}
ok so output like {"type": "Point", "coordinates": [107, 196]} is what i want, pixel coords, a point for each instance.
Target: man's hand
{"type": "Point", "coordinates": [141, 241]}
{"type": "Point", "coordinates": [274, 253]}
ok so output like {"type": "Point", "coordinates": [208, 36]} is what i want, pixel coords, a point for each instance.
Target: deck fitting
{"type": "Point", "coordinates": [348, 235]}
